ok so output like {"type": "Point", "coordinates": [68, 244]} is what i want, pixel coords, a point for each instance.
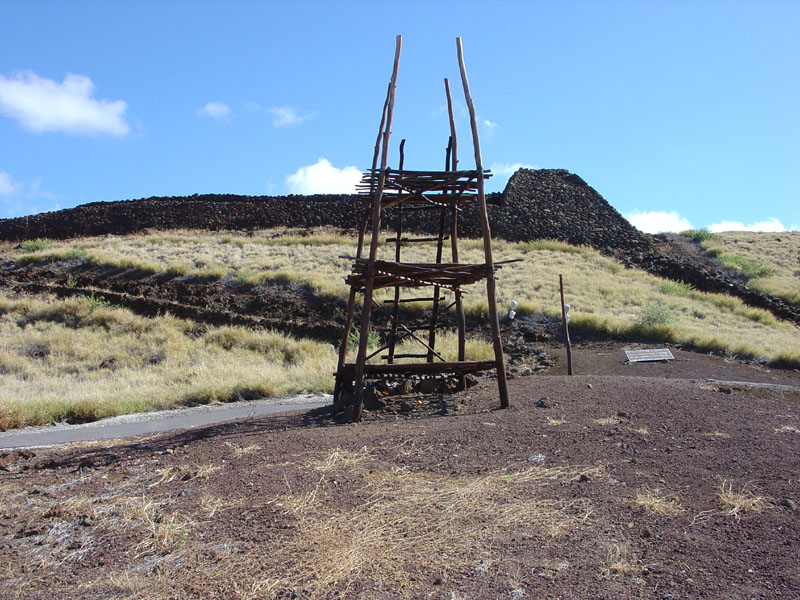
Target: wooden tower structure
{"type": "Point", "coordinates": [446, 193]}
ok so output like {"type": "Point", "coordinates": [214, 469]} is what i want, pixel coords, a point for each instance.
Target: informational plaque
{"type": "Point", "coordinates": [649, 355]}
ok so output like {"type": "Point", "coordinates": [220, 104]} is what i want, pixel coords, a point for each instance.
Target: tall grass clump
{"type": "Point", "coordinates": [36, 245]}
{"type": "Point", "coordinates": [676, 288]}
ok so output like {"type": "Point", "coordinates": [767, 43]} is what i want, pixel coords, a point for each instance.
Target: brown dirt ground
{"type": "Point", "coordinates": [456, 500]}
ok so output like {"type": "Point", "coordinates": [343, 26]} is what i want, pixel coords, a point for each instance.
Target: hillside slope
{"type": "Point", "coordinates": [536, 204]}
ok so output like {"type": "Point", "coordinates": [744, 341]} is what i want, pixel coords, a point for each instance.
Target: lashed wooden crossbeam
{"type": "Point", "coordinates": [407, 186]}
{"type": "Point", "coordinates": [446, 275]}
{"type": "Point", "coordinates": [427, 368]}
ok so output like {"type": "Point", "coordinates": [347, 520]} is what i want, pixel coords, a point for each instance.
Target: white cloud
{"type": "Point", "coordinates": [658, 221]}
{"type": "Point", "coordinates": [35, 191]}
{"type": "Point", "coordinates": [490, 125]}
{"type": "Point", "coordinates": [288, 115]}
{"type": "Point", "coordinates": [323, 178]}
{"type": "Point", "coordinates": [217, 110]}
{"type": "Point", "coordinates": [7, 185]}
{"type": "Point", "coordinates": [41, 105]}
{"type": "Point", "coordinates": [770, 224]}
{"type": "Point", "coordinates": [508, 169]}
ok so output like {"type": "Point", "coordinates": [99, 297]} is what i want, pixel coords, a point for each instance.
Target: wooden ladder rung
{"type": "Point", "coordinates": [400, 330]}
{"type": "Point", "coordinates": [413, 240]}
{"type": "Point", "coordinates": [414, 300]}
{"type": "Point", "coordinates": [427, 207]}
{"type": "Point", "coordinates": [409, 355]}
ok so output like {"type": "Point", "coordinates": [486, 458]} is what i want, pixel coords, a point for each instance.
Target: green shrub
{"type": "Point", "coordinates": [752, 269]}
{"type": "Point", "coordinates": [75, 254]}
{"type": "Point", "coordinates": [93, 301]}
{"type": "Point", "coordinates": [36, 245]}
{"type": "Point", "coordinates": [247, 277]}
{"type": "Point", "coordinates": [373, 339]}
{"type": "Point", "coordinates": [655, 313]}
{"type": "Point", "coordinates": [699, 235]}
{"type": "Point", "coordinates": [676, 288]}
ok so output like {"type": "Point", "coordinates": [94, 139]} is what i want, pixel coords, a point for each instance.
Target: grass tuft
{"type": "Point", "coordinates": [741, 502]}
{"type": "Point", "coordinates": [654, 501]}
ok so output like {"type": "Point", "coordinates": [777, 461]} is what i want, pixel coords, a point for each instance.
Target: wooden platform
{"type": "Point", "coordinates": [422, 187]}
{"type": "Point", "coordinates": [457, 368]}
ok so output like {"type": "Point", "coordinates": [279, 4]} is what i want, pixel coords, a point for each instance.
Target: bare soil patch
{"type": "Point", "coordinates": [589, 486]}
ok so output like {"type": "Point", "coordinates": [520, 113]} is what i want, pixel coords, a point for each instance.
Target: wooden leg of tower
{"type": "Point", "coordinates": [396, 305]}
{"type": "Point", "coordinates": [487, 234]}
{"type": "Point", "coordinates": [461, 322]}
{"type": "Point", "coordinates": [361, 359]}
{"type": "Point", "coordinates": [348, 326]}
{"type": "Point", "coordinates": [502, 384]}
{"type": "Point", "coordinates": [436, 290]}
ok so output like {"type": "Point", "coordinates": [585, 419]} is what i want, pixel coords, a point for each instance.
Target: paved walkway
{"type": "Point", "coordinates": [156, 422]}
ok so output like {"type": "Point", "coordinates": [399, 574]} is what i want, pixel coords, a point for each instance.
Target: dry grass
{"type": "Point", "coordinates": [718, 434]}
{"type": "Point", "coordinates": [165, 532]}
{"type": "Point", "coordinates": [211, 505]}
{"type": "Point", "coordinates": [332, 549]}
{"type": "Point", "coordinates": [80, 359]}
{"type": "Point", "coordinates": [184, 473]}
{"type": "Point", "coordinates": [446, 346]}
{"type": "Point", "coordinates": [742, 502]}
{"type": "Point", "coordinates": [239, 451]}
{"type": "Point", "coordinates": [786, 429]}
{"type": "Point", "coordinates": [654, 501]}
{"type": "Point", "coordinates": [621, 562]}
{"type": "Point", "coordinates": [406, 514]}
{"type": "Point", "coordinates": [604, 296]}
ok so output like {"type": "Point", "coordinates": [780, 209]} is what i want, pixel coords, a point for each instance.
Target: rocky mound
{"type": "Point", "coordinates": [536, 204]}
{"type": "Point", "coordinates": [556, 204]}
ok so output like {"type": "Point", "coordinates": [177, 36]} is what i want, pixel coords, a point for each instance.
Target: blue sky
{"type": "Point", "coordinates": [681, 114]}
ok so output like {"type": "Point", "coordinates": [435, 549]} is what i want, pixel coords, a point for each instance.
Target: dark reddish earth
{"type": "Point", "coordinates": [612, 435]}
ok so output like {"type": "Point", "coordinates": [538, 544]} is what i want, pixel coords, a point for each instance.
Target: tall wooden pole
{"type": "Point", "coordinates": [461, 321]}
{"type": "Point", "coordinates": [361, 359]}
{"type": "Point", "coordinates": [351, 301]}
{"type": "Point", "coordinates": [487, 236]}
{"type": "Point", "coordinates": [454, 145]}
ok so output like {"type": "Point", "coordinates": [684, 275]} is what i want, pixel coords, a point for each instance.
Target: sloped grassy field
{"type": "Point", "coordinates": [771, 261]}
{"type": "Point", "coordinates": [82, 359]}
